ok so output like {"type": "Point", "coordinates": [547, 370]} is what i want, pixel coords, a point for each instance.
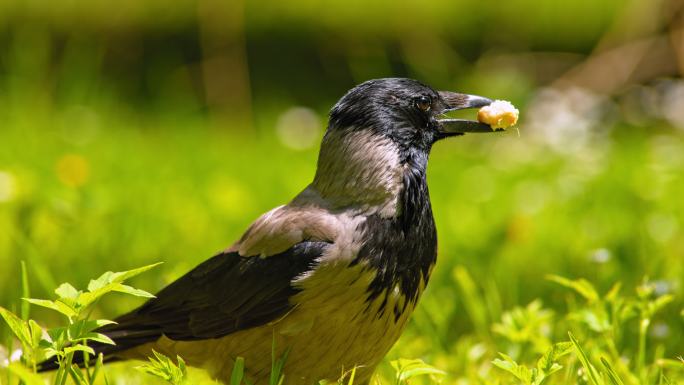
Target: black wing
{"type": "Point", "coordinates": [224, 294]}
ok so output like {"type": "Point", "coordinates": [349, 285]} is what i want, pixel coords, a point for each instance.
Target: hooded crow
{"type": "Point", "coordinates": [331, 277]}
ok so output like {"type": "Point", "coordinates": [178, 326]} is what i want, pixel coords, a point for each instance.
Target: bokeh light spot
{"type": "Point", "coordinates": [600, 256]}
{"type": "Point", "coordinates": [73, 170]}
{"type": "Point", "coordinates": [662, 227]}
{"type": "Point", "coordinates": [8, 186]}
{"type": "Point", "coordinates": [298, 128]}
{"type": "Point", "coordinates": [531, 196]}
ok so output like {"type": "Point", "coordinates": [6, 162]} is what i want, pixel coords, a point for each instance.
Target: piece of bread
{"type": "Point", "coordinates": [499, 114]}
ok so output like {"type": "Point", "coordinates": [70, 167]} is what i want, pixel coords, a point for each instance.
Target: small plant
{"type": "Point", "coordinates": [277, 364]}
{"type": "Point", "coordinates": [62, 343]}
{"type": "Point", "coordinates": [408, 369]}
{"type": "Point", "coordinates": [163, 367]}
{"type": "Point", "coordinates": [603, 320]}
{"type": "Point", "coordinates": [608, 344]}
{"type": "Point", "coordinates": [546, 365]}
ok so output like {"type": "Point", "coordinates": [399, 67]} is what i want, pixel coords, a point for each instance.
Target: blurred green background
{"type": "Point", "coordinates": [134, 132]}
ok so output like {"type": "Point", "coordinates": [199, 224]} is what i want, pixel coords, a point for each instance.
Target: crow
{"type": "Point", "coordinates": [333, 276]}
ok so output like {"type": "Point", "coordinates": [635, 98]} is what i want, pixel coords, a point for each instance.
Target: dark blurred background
{"type": "Point", "coordinates": [234, 59]}
{"type": "Point", "coordinates": [138, 131]}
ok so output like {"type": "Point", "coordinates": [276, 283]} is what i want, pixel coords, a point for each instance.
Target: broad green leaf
{"type": "Point", "coordinates": [51, 352]}
{"type": "Point", "coordinates": [98, 323]}
{"type": "Point", "coordinates": [407, 369]}
{"type": "Point", "coordinates": [132, 291]}
{"type": "Point", "coordinates": [79, 348]}
{"type": "Point", "coordinates": [80, 328]}
{"type": "Point", "coordinates": [17, 325]}
{"type": "Point", "coordinates": [596, 319]}
{"type": "Point", "coordinates": [525, 324]}
{"type": "Point", "coordinates": [57, 306]}
{"type": "Point", "coordinates": [581, 286]}
{"type": "Point", "coordinates": [100, 282]}
{"type": "Point", "coordinates": [547, 363]}
{"type": "Point", "coordinates": [124, 275]}
{"type": "Point", "coordinates": [111, 277]}
{"type": "Point", "coordinates": [57, 334]}
{"type": "Point", "coordinates": [521, 372]}
{"type": "Point", "coordinates": [67, 291]}
{"type": "Point", "coordinates": [98, 337]}
{"type": "Point", "coordinates": [109, 282]}
{"type": "Point", "coordinates": [238, 371]}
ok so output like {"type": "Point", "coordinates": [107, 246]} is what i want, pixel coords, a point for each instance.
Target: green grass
{"type": "Point", "coordinates": [96, 190]}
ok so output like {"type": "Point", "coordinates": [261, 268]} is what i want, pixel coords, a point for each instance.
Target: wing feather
{"type": "Point", "coordinates": [222, 295]}
{"type": "Point", "coordinates": [225, 294]}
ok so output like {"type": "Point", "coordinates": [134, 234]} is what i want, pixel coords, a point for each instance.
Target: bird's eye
{"type": "Point", "coordinates": [424, 103]}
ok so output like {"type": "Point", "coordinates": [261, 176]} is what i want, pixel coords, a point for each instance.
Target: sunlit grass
{"type": "Point", "coordinates": [112, 192]}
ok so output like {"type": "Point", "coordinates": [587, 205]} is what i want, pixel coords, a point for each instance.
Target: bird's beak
{"type": "Point", "coordinates": [455, 101]}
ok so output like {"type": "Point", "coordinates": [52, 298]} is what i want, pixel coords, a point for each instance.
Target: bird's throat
{"type": "Point", "coordinates": [358, 168]}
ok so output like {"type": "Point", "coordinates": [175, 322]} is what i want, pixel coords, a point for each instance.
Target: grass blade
{"type": "Point", "coordinates": [591, 372]}
{"type": "Point", "coordinates": [472, 300]}
{"type": "Point", "coordinates": [351, 376]}
{"type": "Point", "coordinates": [238, 371]}
{"type": "Point", "coordinates": [277, 365]}
{"type": "Point", "coordinates": [581, 286]}
{"type": "Point", "coordinates": [614, 378]}
{"type": "Point", "coordinates": [25, 292]}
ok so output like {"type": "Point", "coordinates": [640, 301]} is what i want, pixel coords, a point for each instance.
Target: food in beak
{"type": "Point", "coordinates": [499, 114]}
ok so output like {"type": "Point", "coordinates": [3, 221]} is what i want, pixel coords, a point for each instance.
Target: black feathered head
{"type": "Point", "coordinates": [404, 110]}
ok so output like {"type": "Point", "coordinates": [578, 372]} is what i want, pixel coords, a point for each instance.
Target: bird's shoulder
{"type": "Point", "coordinates": [308, 217]}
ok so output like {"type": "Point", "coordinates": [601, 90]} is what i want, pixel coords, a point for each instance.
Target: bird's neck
{"type": "Point", "coordinates": [373, 176]}
{"type": "Point", "coordinates": [415, 199]}
{"type": "Point", "coordinates": [360, 169]}
{"type": "Point", "coordinates": [402, 249]}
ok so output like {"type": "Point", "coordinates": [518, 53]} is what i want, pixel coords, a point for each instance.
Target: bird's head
{"type": "Point", "coordinates": [381, 130]}
{"type": "Point", "coordinates": [406, 111]}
